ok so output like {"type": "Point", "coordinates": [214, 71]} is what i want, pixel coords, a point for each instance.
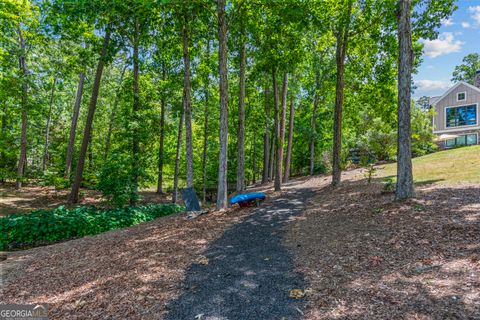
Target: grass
{"type": "Point", "coordinates": [445, 167]}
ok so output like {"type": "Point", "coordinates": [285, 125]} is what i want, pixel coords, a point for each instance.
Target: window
{"type": "Point", "coordinates": [461, 116]}
{"type": "Point", "coordinates": [461, 96]}
{"type": "Point", "coordinates": [467, 139]}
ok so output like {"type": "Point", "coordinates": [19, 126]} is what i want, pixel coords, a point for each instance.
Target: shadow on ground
{"type": "Point", "coordinates": [249, 272]}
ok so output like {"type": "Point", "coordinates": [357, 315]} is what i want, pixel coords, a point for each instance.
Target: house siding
{"type": "Point", "coordinates": [473, 97]}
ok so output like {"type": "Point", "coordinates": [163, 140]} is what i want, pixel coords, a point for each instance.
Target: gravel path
{"type": "Point", "coordinates": [249, 272]}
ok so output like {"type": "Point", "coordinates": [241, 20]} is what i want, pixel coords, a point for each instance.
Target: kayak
{"type": "Point", "coordinates": [247, 197]}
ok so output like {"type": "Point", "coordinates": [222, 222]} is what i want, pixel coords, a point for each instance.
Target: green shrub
{"type": "Point", "coordinates": [43, 226]}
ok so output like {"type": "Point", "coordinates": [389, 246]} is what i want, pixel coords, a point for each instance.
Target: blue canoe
{"type": "Point", "coordinates": [247, 197]}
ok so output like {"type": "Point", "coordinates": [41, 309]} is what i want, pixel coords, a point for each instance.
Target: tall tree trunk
{"type": "Point", "coordinates": [405, 187]}
{"type": "Point", "coordinates": [342, 41]}
{"type": "Point", "coordinates": [280, 134]}
{"type": "Point", "coordinates": [222, 189]}
{"type": "Point", "coordinates": [241, 118]}
{"type": "Point", "coordinates": [254, 156]}
{"type": "Point", "coordinates": [313, 135]}
{"type": "Point", "coordinates": [187, 106]}
{"type": "Point", "coordinates": [73, 126]}
{"type": "Point", "coordinates": [90, 152]}
{"type": "Point", "coordinates": [22, 161]}
{"type": "Point", "coordinates": [276, 120]}
{"type": "Point", "coordinates": [113, 115]}
{"type": "Point", "coordinates": [47, 127]}
{"type": "Point", "coordinates": [135, 116]}
{"type": "Point", "coordinates": [177, 157]}
{"type": "Point", "coordinates": [205, 132]}
{"type": "Point", "coordinates": [272, 154]}
{"type": "Point", "coordinates": [91, 112]}
{"type": "Point", "coordinates": [162, 135]}
{"type": "Point", "coordinates": [266, 134]}
{"type": "Point", "coordinates": [288, 157]}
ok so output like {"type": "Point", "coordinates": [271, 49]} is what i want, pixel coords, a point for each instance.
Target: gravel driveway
{"type": "Point", "coordinates": [249, 272]}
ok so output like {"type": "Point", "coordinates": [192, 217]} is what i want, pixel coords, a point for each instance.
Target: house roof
{"type": "Point", "coordinates": [432, 100]}
{"type": "Point", "coordinates": [451, 89]}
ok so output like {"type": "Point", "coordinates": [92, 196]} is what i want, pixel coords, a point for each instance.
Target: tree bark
{"type": "Point", "coordinates": [254, 156]}
{"type": "Point", "coordinates": [241, 118]}
{"type": "Point", "coordinates": [23, 140]}
{"type": "Point", "coordinates": [91, 112]}
{"type": "Point", "coordinates": [205, 132]}
{"type": "Point", "coordinates": [222, 189]}
{"type": "Point", "coordinates": [271, 167]}
{"type": "Point", "coordinates": [162, 136]}
{"type": "Point", "coordinates": [135, 116]}
{"type": "Point", "coordinates": [73, 125]}
{"type": "Point", "coordinates": [313, 124]}
{"type": "Point", "coordinates": [266, 135]}
{"type": "Point", "coordinates": [187, 106]}
{"type": "Point", "coordinates": [280, 134]}
{"type": "Point", "coordinates": [405, 187]}
{"type": "Point", "coordinates": [177, 158]}
{"type": "Point", "coordinates": [47, 127]}
{"type": "Point", "coordinates": [288, 157]}
{"type": "Point", "coordinates": [113, 115]}
{"type": "Point", "coordinates": [342, 42]}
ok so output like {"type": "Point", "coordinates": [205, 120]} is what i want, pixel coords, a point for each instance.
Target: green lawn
{"type": "Point", "coordinates": [450, 166]}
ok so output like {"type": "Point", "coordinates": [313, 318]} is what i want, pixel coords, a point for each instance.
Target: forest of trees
{"type": "Point", "coordinates": [121, 95]}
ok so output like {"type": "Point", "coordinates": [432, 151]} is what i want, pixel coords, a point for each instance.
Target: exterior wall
{"type": "Point", "coordinates": [473, 96]}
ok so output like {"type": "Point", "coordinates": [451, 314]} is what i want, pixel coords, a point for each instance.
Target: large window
{"type": "Point", "coordinates": [463, 140]}
{"type": "Point", "coordinates": [461, 116]}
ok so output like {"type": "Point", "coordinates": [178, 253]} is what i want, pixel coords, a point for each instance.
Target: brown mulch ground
{"type": "Point", "coordinates": [366, 256]}
{"type": "Point", "coordinates": [122, 274]}
{"type": "Point", "coordinates": [32, 197]}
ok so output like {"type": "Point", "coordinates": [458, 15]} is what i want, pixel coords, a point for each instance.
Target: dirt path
{"type": "Point", "coordinates": [249, 272]}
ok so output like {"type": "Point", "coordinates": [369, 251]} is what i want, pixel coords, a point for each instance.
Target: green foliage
{"type": "Point", "coordinates": [378, 142]}
{"type": "Point", "coordinates": [44, 226]}
{"type": "Point", "coordinates": [422, 133]}
{"type": "Point", "coordinates": [51, 178]}
{"type": "Point", "coordinates": [115, 181]}
{"type": "Point", "coordinates": [389, 184]}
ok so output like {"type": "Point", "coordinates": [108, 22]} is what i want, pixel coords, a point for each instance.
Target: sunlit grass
{"type": "Point", "coordinates": [443, 167]}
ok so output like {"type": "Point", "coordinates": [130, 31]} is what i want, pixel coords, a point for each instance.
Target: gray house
{"type": "Point", "coordinates": [456, 121]}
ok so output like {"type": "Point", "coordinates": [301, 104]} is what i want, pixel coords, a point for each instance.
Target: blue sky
{"type": "Point", "coordinates": [459, 36]}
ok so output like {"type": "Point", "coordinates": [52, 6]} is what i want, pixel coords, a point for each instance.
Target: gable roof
{"type": "Point", "coordinates": [453, 88]}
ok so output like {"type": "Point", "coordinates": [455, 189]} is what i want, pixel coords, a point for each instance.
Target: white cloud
{"type": "Point", "coordinates": [429, 85]}
{"type": "Point", "coordinates": [465, 25]}
{"type": "Point", "coordinates": [447, 22]}
{"type": "Point", "coordinates": [475, 13]}
{"type": "Point", "coordinates": [445, 44]}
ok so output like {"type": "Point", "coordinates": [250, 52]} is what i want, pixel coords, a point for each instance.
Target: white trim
{"type": "Point", "coordinates": [460, 129]}
{"type": "Point", "coordinates": [464, 99]}
{"type": "Point", "coordinates": [459, 106]}
{"type": "Point", "coordinates": [453, 88]}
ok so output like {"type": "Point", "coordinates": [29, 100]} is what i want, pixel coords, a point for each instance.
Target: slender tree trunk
{"type": "Point", "coordinates": [266, 134]}
{"type": "Point", "coordinates": [162, 136]}
{"type": "Point", "coordinates": [241, 119]}
{"type": "Point", "coordinates": [254, 156]}
{"type": "Point", "coordinates": [177, 158]}
{"type": "Point", "coordinates": [276, 120]}
{"type": "Point", "coordinates": [280, 134]}
{"type": "Point", "coordinates": [272, 154]}
{"type": "Point", "coordinates": [288, 157]}
{"type": "Point", "coordinates": [73, 126]}
{"type": "Point", "coordinates": [342, 41]}
{"type": "Point", "coordinates": [135, 116]}
{"type": "Point", "coordinates": [22, 161]}
{"type": "Point", "coordinates": [222, 189]}
{"type": "Point", "coordinates": [47, 128]}
{"type": "Point", "coordinates": [90, 115]}
{"type": "Point", "coordinates": [205, 133]}
{"type": "Point", "coordinates": [405, 187]}
{"type": "Point", "coordinates": [187, 106]}
{"type": "Point", "coordinates": [113, 115]}
{"type": "Point", "coordinates": [313, 136]}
